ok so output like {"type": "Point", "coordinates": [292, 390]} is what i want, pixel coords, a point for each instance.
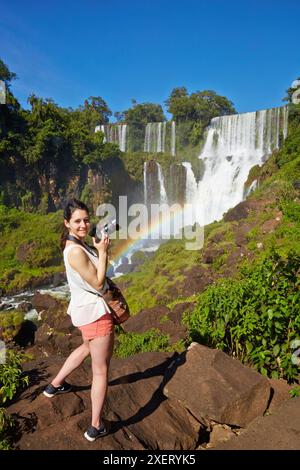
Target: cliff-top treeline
{"type": "Point", "coordinates": [47, 152]}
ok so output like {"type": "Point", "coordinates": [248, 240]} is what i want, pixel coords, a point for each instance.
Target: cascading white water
{"type": "Point", "coordinates": [162, 189]}
{"type": "Point", "coordinates": [145, 184]}
{"type": "Point", "coordinates": [191, 187]}
{"type": "Point", "coordinates": [164, 128]}
{"type": "Point", "coordinates": [159, 141]}
{"type": "Point", "coordinates": [157, 135]}
{"type": "Point", "coordinates": [285, 121]}
{"type": "Point", "coordinates": [234, 144]}
{"type": "Point", "coordinates": [114, 133]}
{"type": "Point", "coordinates": [173, 139]}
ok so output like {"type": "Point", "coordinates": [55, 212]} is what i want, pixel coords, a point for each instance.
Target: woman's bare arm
{"type": "Point", "coordinates": [81, 263]}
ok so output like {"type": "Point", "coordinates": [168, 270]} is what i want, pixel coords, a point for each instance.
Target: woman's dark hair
{"type": "Point", "coordinates": [70, 207]}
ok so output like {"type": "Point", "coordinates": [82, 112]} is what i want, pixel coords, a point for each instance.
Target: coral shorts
{"type": "Point", "coordinates": [101, 327]}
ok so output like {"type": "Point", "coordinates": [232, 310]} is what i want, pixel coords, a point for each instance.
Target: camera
{"type": "Point", "coordinates": [100, 229]}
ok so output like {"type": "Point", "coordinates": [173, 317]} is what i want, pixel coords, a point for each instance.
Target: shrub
{"type": "Point", "coordinates": [134, 343]}
{"type": "Point", "coordinates": [10, 323]}
{"type": "Point", "coordinates": [6, 423]}
{"type": "Point", "coordinates": [254, 318]}
{"type": "Point", "coordinates": [11, 375]}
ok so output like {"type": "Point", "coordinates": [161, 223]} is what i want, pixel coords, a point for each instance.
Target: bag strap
{"type": "Point", "coordinates": [84, 245]}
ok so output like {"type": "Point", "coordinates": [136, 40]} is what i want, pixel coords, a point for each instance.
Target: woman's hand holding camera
{"type": "Point", "coordinates": [102, 245]}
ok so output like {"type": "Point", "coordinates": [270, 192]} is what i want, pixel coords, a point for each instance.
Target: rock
{"type": "Point", "coordinates": [240, 233]}
{"type": "Point", "coordinates": [25, 250]}
{"type": "Point", "coordinates": [5, 306]}
{"type": "Point", "coordinates": [197, 279]}
{"type": "Point", "coordinates": [146, 319]}
{"type": "Point", "coordinates": [220, 433]}
{"type": "Point", "coordinates": [140, 401]}
{"type": "Point", "coordinates": [161, 318]}
{"type": "Point", "coordinates": [241, 210]}
{"type": "Point", "coordinates": [139, 257]}
{"type": "Point", "coordinates": [44, 301]}
{"type": "Point", "coordinates": [138, 411]}
{"type": "Point", "coordinates": [44, 334]}
{"type": "Point", "coordinates": [277, 431]}
{"type": "Point", "coordinates": [53, 311]}
{"type": "Point", "coordinates": [58, 279]}
{"type": "Point", "coordinates": [125, 268]}
{"type": "Point", "coordinates": [212, 253]}
{"type": "Point", "coordinates": [279, 393]}
{"type": "Point", "coordinates": [25, 306]}
{"type": "Point", "coordinates": [296, 184]}
{"type": "Point", "coordinates": [26, 334]}
{"type": "Point", "coordinates": [212, 385]}
{"type": "Point", "coordinates": [270, 225]}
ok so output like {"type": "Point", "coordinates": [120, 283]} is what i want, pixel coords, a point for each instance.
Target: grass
{"type": "Point", "coordinates": [152, 284]}
{"type": "Point", "coordinates": [29, 246]}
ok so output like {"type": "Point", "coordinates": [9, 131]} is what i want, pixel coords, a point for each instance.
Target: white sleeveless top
{"type": "Point", "coordinates": [84, 307]}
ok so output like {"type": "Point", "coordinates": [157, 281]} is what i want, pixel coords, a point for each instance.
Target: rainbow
{"type": "Point", "coordinates": [124, 247]}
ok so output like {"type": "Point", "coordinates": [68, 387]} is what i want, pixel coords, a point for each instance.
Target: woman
{"type": "Point", "coordinates": [89, 312]}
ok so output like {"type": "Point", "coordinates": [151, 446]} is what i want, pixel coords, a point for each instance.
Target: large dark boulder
{"type": "Point", "coordinates": [214, 386]}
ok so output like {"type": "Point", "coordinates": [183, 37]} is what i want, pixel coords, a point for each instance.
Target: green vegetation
{"type": "Point", "coordinates": [7, 423]}
{"type": "Point", "coordinates": [137, 117]}
{"type": "Point", "coordinates": [295, 392]}
{"type": "Point", "coordinates": [255, 317]}
{"type": "Point", "coordinates": [44, 149]}
{"type": "Point", "coordinates": [159, 277]}
{"type": "Point", "coordinates": [12, 380]}
{"type": "Point", "coordinates": [153, 340]}
{"type": "Point", "coordinates": [134, 343]}
{"type": "Point", "coordinates": [10, 323]}
{"type": "Point", "coordinates": [29, 245]}
{"type": "Point", "coordinates": [11, 376]}
{"type": "Point", "coordinates": [198, 108]}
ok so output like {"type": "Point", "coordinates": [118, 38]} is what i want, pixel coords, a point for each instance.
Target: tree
{"type": "Point", "coordinates": [5, 74]}
{"type": "Point", "coordinates": [140, 114]}
{"type": "Point", "coordinates": [120, 116]}
{"type": "Point", "coordinates": [199, 106]}
{"type": "Point", "coordinates": [95, 111]}
{"type": "Point", "coordinates": [290, 91]}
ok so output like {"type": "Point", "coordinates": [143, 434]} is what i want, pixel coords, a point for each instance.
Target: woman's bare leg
{"type": "Point", "coordinates": [71, 363]}
{"type": "Point", "coordinates": [100, 349]}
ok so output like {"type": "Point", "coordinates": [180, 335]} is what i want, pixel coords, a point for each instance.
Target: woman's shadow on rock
{"type": "Point", "coordinates": [167, 369]}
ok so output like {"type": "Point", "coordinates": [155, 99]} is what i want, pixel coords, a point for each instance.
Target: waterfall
{"type": "Point", "coordinates": [145, 184]}
{"type": "Point", "coordinates": [159, 143]}
{"type": "Point", "coordinates": [191, 186]}
{"type": "Point", "coordinates": [162, 189]}
{"type": "Point", "coordinates": [155, 135]}
{"type": "Point", "coordinates": [164, 126]}
{"type": "Point", "coordinates": [173, 139]}
{"type": "Point", "coordinates": [154, 184]}
{"type": "Point", "coordinates": [285, 121]}
{"type": "Point", "coordinates": [114, 133]}
{"type": "Point", "coordinates": [251, 188]}
{"type": "Point", "coordinates": [234, 144]}
{"type": "Point", "coordinates": [147, 138]}
{"type": "Point", "coordinates": [159, 136]}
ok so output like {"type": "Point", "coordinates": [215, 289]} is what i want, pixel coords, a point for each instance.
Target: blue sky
{"type": "Point", "coordinates": [246, 50]}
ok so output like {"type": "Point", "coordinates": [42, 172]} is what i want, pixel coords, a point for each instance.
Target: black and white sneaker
{"type": "Point", "coordinates": [93, 433]}
{"type": "Point", "coordinates": [50, 391]}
